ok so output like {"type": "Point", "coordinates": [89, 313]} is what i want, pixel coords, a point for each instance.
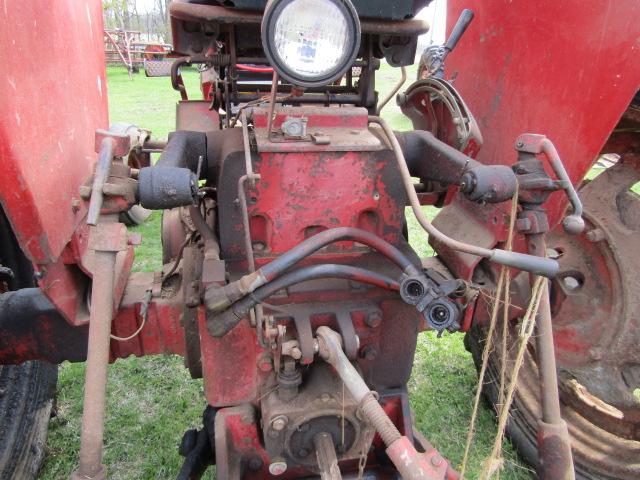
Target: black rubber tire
{"type": "Point", "coordinates": [26, 391]}
{"type": "Point", "coordinates": [521, 427]}
{"type": "Point", "coordinates": [26, 400]}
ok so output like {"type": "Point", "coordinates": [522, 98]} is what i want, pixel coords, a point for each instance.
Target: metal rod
{"type": "Point", "coordinates": [95, 385]}
{"type": "Point", "coordinates": [540, 265]}
{"type": "Point", "coordinates": [403, 78]}
{"type": "Point", "coordinates": [326, 455]}
{"type": "Point", "coordinates": [100, 177]}
{"type": "Point", "coordinates": [554, 443]}
{"type": "Point", "coordinates": [272, 103]}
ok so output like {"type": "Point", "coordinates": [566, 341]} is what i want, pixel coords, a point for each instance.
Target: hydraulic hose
{"type": "Point", "coordinates": [529, 263]}
{"type": "Point", "coordinates": [217, 298]}
{"type": "Point", "coordinates": [219, 325]}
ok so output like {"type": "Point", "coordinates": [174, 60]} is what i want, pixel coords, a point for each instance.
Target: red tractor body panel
{"type": "Point", "coordinates": [54, 96]}
{"type": "Point", "coordinates": [565, 69]}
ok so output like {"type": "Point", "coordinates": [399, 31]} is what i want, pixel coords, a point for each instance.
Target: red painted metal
{"type": "Point", "coordinates": [46, 157]}
{"type": "Point", "coordinates": [565, 69]}
{"type": "Point", "coordinates": [562, 69]}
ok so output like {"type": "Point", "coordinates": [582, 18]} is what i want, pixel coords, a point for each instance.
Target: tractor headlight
{"type": "Point", "coordinates": [311, 42]}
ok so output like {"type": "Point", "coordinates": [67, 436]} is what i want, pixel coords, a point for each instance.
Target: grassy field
{"type": "Point", "coordinates": [152, 401]}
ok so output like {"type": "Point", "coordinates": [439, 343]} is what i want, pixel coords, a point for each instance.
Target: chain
{"type": "Point", "coordinates": [368, 435]}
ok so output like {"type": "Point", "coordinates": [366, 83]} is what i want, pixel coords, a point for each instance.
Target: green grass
{"type": "Point", "coordinates": [151, 401]}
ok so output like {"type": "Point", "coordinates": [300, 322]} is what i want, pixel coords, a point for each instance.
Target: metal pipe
{"type": "Point", "coordinates": [327, 237]}
{"type": "Point", "coordinates": [220, 298]}
{"type": "Point", "coordinates": [326, 455]}
{"type": "Point", "coordinates": [211, 245]}
{"type": "Point", "coordinates": [403, 78]}
{"type": "Point", "coordinates": [554, 443]}
{"type": "Point", "coordinates": [220, 324]}
{"type": "Point", "coordinates": [538, 265]}
{"type": "Point", "coordinates": [410, 464]}
{"type": "Point", "coordinates": [102, 172]}
{"type": "Point", "coordinates": [95, 386]}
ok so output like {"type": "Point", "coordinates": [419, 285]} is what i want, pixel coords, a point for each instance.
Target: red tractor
{"type": "Point", "coordinates": [288, 283]}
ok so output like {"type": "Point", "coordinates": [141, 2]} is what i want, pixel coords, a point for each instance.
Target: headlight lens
{"type": "Point", "coordinates": [311, 42]}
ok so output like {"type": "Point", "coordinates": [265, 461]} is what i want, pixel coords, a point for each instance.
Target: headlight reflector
{"type": "Point", "coordinates": [311, 42]}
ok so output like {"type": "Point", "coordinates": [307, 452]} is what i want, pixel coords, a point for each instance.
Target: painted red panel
{"type": "Point", "coordinates": [53, 96]}
{"type": "Point", "coordinates": [566, 69]}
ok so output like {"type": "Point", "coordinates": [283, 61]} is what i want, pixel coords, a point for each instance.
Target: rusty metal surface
{"type": "Point", "coordinates": [594, 303]}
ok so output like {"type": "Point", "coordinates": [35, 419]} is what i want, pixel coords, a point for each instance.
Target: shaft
{"type": "Point", "coordinates": [554, 444]}
{"type": "Point", "coordinates": [106, 240]}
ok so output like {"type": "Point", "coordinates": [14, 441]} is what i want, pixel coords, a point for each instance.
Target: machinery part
{"type": "Point", "coordinates": [596, 286]}
{"type": "Point", "coordinates": [433, 57]}
{"type": "Point", "coordinates": [136, 215]}
{"type": "Point", "coordinates": [198, 448]}
{"type": "Point", "coordinates": [305, 63]}
{"type": "Point", "coordinates": [32, 328]}
{"type": "Point", "coordinates": [410, 464]}
{"type": "Point", "coordinates": [540, 266]}
{"type": "Point", "coordinates": [106, 240]}
{"type": "Point", "coordinates": [430, 298]}
{"type": "Point", "coordinates": [184, 149]}
{"type": "Point", "coordinates": [535, 144]}
{"type": "Point", "coordinates": [219, 298]}
{"type": "Point", "coordinates": [396, 89]}
{"type": "Point", "coordinates": [100, 177]}
{"type": "Point", "coordinates": [488, 183]}
{"type": "Point", "coordinates": [448, 118]}
{"type": "Point", "coordinates": [27, 389]}
{"type": "Point", "coordinates": [554, 447]}
{"type": "Point", "coordinates": [163, 188]}
{"type": "Point", "coordinates": [327, 460]}
{"type": "Point", "coordinates": [220, 324]}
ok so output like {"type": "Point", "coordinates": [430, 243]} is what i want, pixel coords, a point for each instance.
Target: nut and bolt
{"type": "Point", "coordinates": [436, 460]}
{"type": "Point", "coordinates": [265, 364]}
{"type": "Point", "coordinates": [296, 353]}
{"type": "Point", "coordinates": [369, 352]}
{"type": "Point", "coordinates": [373, 320]}
{"type": "Point", "coordinates": [279, 423]}
{"type": "Point", "coordinates": [278, 467]}
{"type": "Point", "coordinates": [596, 235]}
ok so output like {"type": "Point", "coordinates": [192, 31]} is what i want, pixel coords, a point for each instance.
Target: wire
{"type": "Point", "coordinates": [144, 312]}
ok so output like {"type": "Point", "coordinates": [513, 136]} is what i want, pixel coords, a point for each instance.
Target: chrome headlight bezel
{"type": "Point", "coordinates": [272, 13]}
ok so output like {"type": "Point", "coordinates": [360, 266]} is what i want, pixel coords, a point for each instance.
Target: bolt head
{"type": "Point", "coordinates": [279, 423]}
{"type": "Point", "coordinates": [277, 468]}
{"type": "Point", "coordinates": [596, 235]}
{"type": "Point", "coordinates": [374, 319]}
{"type": "Point", "coordinates": [436, 460]}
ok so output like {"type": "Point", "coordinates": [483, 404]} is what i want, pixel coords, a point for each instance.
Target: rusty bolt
{"type": "Point", "coordinates": [279, 423]}
{"type": "Point", "coordinates": [264, 363]}
{"type": "Point", "coordinates": [436, 460]}
{"type": "Point", "coordinates": [595, 353]}
{"type": "Point", "coordinates": [369, 352]}
{"type": "Point", "coordinates": [373, 319]}
{"type": "Point", "coordinates": [596, 235]}
{"type": "Point", "coordinates": [75, 205]}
